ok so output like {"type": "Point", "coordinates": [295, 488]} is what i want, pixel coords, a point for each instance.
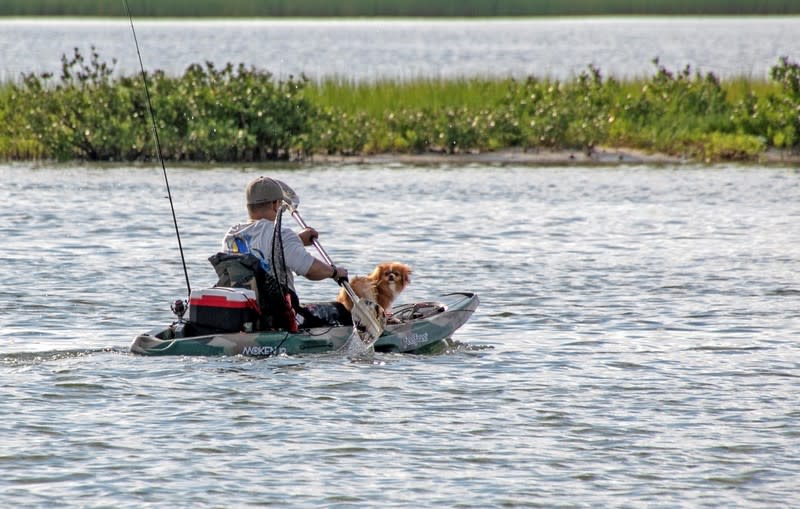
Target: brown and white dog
{"type": "Point", "coordinates": [382, 286]}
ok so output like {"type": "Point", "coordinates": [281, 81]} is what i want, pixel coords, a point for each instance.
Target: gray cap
{"type": "Point", "coordinates": [263, 190]}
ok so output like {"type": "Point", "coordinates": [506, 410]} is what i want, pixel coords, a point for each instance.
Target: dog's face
{"type": "Point", "coordinates": [393, 275]}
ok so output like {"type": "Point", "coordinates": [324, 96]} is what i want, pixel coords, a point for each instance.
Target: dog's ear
{"type": "Point", "coordinates": [406, 271]}
{"type": "Point", "coordinates": [377, 274]}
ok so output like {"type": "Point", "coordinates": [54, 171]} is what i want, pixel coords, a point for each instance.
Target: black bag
{"type": "Point", "coordinates": [276, 302]}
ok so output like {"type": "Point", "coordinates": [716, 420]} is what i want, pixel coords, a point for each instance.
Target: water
{"type": "Point", "coordinates": [367, 50]}
{"type": "Point", "coordinates": [636, 343]}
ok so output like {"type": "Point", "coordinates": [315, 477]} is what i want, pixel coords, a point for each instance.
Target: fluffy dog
{"type": "Point", "coordinates": [382, 286]}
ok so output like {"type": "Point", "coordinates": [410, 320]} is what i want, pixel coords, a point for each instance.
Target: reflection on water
{"type": "Point", "coordinates": [635, 343]}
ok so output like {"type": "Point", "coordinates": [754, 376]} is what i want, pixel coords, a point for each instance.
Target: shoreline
{"type": "Point", "coordinates": [599, 156]}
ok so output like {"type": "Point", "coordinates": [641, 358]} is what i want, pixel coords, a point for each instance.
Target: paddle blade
{"type": "Point", "coordinates": [290, 198]}
{"type": "Point", "coordinates": [369, 320]}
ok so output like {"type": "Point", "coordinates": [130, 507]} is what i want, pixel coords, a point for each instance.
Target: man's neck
{"type": "Point", "coordinates": [269, 213]}
{"type": "Point", "coordinates": [269, 216]}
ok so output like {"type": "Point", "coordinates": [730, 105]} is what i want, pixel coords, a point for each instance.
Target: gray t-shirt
{"type": "Point", "coordinates": [256, 237]}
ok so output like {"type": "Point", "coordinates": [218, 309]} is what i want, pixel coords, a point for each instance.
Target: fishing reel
{"type": "Point", "coordinates": [179, 308]}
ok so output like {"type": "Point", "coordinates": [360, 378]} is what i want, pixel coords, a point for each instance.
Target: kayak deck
{"type": "Point", "coordinates": [414, 328]}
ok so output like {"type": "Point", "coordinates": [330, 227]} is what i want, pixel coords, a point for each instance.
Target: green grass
{"type": "Point", "coordinates": [240, 114]}
{"type": "Point", "coordinates": [315, 8]}
{"type": "Point", "coordinates": [389, 95]}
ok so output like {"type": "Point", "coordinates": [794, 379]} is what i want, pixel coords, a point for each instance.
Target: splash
{"type": "Point", "coordinates": [358, 346]}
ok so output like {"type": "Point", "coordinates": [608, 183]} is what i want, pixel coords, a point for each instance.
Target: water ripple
{"type": "Point", "coordinates": [635, 344]}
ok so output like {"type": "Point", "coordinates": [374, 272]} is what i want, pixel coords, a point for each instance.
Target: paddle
{"type": "Point", "coordinates": [364, 311]}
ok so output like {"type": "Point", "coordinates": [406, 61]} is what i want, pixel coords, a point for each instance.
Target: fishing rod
{"type": "Point", "coordinates": [158, 147]}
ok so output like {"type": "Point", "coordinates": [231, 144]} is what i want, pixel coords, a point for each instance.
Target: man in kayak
{"type": "Point", "coordinates": [285, 252]}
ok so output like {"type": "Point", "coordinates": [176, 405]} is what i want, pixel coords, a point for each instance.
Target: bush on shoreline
{"type": "Point", "coordinates": [239, 114]}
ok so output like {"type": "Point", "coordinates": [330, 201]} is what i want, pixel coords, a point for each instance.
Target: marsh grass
{"type": "Point", "coordinates": [244, 114]}
{"type": "Point", "coordinates": [376, 97]}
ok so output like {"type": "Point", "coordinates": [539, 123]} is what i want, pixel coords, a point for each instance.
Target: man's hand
{"type": "Point", "coordinates": [308, 235]}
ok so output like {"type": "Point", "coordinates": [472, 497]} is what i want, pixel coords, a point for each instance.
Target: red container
{"type": "Point", "coordinates": [224, 309]}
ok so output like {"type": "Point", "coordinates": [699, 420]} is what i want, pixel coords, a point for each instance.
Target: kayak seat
{"type": "Point", "coordinates": [275, 301]}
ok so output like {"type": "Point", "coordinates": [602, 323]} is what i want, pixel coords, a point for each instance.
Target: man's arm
{"type": "Point", "coordinates": [301, 262]}
{"type": "Point", "coordinates": [321, 270]}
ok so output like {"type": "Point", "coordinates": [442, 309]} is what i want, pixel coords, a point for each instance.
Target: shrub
{"type": "Point", "coordinates": [233, 114]}
{"type": "Point", "coordinates": [236, 113]}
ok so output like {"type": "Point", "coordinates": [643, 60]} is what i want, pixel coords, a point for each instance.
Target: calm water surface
{"type": "Point", "coordinates": [403, 49]}
{"type": "Point", "coordinates": [636, 344]}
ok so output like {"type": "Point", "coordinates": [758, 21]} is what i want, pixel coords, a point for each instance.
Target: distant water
{"type": "Point", "coordinates": [636, 344]}
{"type": "Point", "coordinates": [403, 49]}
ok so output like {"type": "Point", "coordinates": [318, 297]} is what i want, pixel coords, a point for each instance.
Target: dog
{"type": "Point", "coordinates": [382, 286]}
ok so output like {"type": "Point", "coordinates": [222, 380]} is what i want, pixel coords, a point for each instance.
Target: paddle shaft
{"type": "Point", "coordinates": [343, 282]}
{"type": "Point", "coordinates": [290, 202]}
{"type": "Point", "coordinates": [373, 324]}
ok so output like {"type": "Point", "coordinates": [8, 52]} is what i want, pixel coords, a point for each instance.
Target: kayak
{"type": "Point", "coordinates": [421, 327]}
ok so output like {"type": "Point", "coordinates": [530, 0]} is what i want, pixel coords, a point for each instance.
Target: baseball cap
{"type": "Point", "coordinates": [263, 190]}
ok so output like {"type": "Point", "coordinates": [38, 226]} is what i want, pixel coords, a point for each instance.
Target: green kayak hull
{"type": "Point", "coordinates": [421, 327]}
